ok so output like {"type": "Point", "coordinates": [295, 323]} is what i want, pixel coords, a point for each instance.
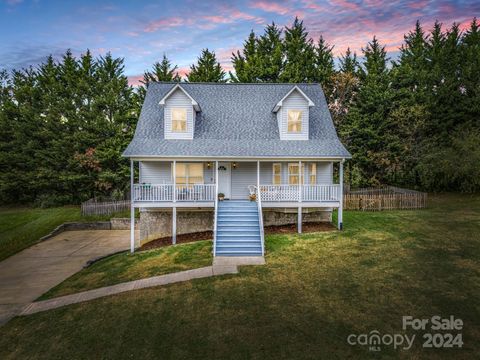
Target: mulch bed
{"type": "Point", "coordinates": [181, 238]}
{"type": "Point", "coordinates": [208, 235]}
{"type": "Point", "coordinates": [306, 228]}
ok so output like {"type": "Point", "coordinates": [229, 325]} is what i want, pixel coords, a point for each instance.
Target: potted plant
{"type": "Point", "coordinates": [253, 197]}
{"type": "Point", "coordinates": [221, 196]}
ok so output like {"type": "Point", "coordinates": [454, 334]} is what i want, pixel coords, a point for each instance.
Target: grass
{"type": "Point", "coordinates": [315, 290]}
{"type": "Point", "coordinates": [23, 227]}
{"type": "Point", "coordinates": [125, 267]}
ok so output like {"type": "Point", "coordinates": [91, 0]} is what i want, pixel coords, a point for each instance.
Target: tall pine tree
{"type": "Point", "coordinates": [299, 52]}
{"type": "Point", "coordinates": [207, 69]}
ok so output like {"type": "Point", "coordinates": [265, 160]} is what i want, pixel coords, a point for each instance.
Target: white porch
{"type": "Point", "coordinates": [195, 188]}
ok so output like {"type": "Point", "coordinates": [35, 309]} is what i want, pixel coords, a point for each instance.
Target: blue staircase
{"type": "Point", "coordinates": [238, 229]}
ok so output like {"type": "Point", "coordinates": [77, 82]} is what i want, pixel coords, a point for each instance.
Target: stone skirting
{"type": "Point", "coordinates": [156, 224]}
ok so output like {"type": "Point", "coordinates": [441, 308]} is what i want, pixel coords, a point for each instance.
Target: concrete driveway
{"type": "Point", "coordinates": [33, 271]}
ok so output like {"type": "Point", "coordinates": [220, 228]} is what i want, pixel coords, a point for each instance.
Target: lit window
{"type": "Point", "coordinates": [277, 174]}
{"type": "Point", "coordinates": [188, 174]}
{"type": "Point", "coordinates": [294, 123]}
{"type": "Point", "coordinates": [179, 120]}
{"type": "Point", "coordinates": [313, 173]}
{"type": "Point", "coordinates": [294, 175]}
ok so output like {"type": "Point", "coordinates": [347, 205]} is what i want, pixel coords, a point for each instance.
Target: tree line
{"type": "Point", "coordinates": [412, 121]}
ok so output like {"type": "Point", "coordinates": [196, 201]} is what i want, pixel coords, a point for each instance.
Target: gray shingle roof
{"type": "Point", "coordinates": [236, 120]}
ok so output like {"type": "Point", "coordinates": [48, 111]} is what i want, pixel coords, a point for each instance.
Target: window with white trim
{"type": "Point", "coordinates": [294, 121]}
{"type": "Point", "coordinates": [188, 174]}
{"type": "Point", "coordinates": [294, 174]}
{"type": "Point", "coordinates": [313, 173]}
{"type": "Point", "coordinates": [179, 120]}
{"type": "Point", "coordinates": [277, 174]}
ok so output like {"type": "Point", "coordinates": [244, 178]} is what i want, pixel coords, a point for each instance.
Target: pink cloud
{"type": "Point", "coordinates": [165, 23]}
{"type": "Point", "coordinates": [345, 4]}
{"type": "Point", "coordinates": [134, 80]}
{"type": "Point", "coordinates": [312, 5]}
{"type": "Point", "coordinates": [271, 7]}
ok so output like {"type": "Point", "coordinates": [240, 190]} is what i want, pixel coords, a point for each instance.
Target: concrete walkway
{"type": "Point", "coordinates": [221, 266]}
{"type": "Point", "coordinates": [30, 273]}
{"type": "Point", "coordinates": [128, 286]}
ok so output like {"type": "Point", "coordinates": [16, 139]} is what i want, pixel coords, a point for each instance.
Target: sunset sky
{"type": "Point", "coordinates": [141, 31]}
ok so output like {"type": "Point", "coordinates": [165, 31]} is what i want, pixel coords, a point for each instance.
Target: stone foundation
{"type": "Point", "coordinates": [156, 224]}
{"type": "Point", "coordinates": [287, 217]}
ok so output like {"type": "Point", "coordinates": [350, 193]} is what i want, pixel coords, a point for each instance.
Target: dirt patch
{"type": "Point", "coordinates": [208, 235]}
{"type": "Point", "coordinates": [306, 228]}
{"type": "Point", "coordinates": [183, 238]}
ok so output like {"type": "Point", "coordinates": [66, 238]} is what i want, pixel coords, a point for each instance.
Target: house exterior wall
{"type": "Point", "coordinates": [160, 172]}
{"type": "Point", "coordinates": [295, 101]}
{"type": "Point", "coordinates": [324, 172]}
{"type": "Point", "coordinates": [245, 174]}
{"type": "Point", "coordinates": [178, 100]}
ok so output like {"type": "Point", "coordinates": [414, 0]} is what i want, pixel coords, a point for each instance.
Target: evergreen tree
{"type": "Point", "coordinates": [270, 54]}
{"type": "Point", "coordinates": [324, 65]}
{"type": "Point", "coordinates": [161, 71]}
{"type": "Point", "coordinates": [207, 69]}
{"type": "Point", "coordinates": [349, 62]}
{"type": "Point", "coordinates": [470, 74]}
{"type": "Point", "coordinates": [299, 54]}
{"type": "Point", "coordinates": [368, 134]}
{"type": "Point", "coordinates": [247, 64]}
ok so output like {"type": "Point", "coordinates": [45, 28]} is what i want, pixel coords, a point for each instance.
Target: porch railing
{"type": "Point", "coordinates": [302, 193]}
{"type": "Point", "coordinates": [166, 192]}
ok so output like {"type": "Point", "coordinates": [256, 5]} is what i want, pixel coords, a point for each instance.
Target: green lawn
{"type": "Point", "coordinates": [22, 227]}
{"type": "Point", "coordinates": [315, 290]}
{"type": "Point", "coordinates": [126, 267]}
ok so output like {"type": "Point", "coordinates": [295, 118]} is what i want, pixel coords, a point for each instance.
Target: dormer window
{"type": "Point", "coordinates": [294, 121]}
{"type": "Point", "coordinates": [179, 120]}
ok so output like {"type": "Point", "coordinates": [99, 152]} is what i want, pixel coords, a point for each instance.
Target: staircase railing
{"type": "Point", "coordinates": [215, 214]}
{"type": "Point", "coordinates": [260, 218]}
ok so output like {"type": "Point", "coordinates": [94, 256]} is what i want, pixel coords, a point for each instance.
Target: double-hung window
{"type": "Point", "coordinates": [277, 174]}
{"type": "Point", "coordinates": [294, 176]}
{"type": "Point", "coordinates": [313, 173]}
{"type": "Point", "coordinates": [188, 174]}
{"type": "Point", "coordinates": [179, 120]}
{"type": "Point", "coordinates": [294, 121]}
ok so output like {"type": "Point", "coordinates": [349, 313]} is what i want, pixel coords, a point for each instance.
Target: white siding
{"type": "Point", "coordinates": [160, 172]}
{"type": "Point", "coordinates": [178, 100]}
{"type": "Point", "coordinates": [155, 172]}
{"type": "Point", "coordinates": [295, 101]}
{"type": "Point", "coordinates": [324, 172]}
{"type": "Point", "coordinates": [244, 175]}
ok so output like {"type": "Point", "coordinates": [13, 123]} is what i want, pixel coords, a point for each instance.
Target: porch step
{"type": "Point", "coordinates": [238, 231]}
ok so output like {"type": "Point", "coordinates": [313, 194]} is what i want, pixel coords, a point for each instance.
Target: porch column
{"type": "Point", "coordinates": [132, 209]}
{"type": "Point", "coordinates": [299, 219]}
{"type": "Point", "coordinates": [174, 225]}
{"type": "Point", "coordinates": [340, 206]}
{"type": "Point", "coordinates": [299, 181]}
{"type": "Point", "coordinates": [258, 177]}
{"type": "Point", "coordinates": [174, 176]}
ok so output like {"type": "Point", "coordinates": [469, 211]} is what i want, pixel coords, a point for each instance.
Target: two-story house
{"type": "Point", "coordinates": [194, 141]}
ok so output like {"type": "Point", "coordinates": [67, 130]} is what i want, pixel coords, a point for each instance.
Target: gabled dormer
{"type": "Point", "coordinates": [293, 115]}
{"type": "Point", "coordinates": [179, 113]}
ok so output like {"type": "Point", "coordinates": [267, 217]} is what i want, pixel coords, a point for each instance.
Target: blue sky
{"type": "Point", "coordinates": [141, 31]}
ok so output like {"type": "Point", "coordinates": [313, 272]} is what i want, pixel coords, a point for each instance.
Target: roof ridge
{"type": "Point", "coordinates": [219, 83]}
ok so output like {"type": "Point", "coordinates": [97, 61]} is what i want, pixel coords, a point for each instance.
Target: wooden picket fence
{"type": "Point", "coordinates": [384, 198]}
{"type": "Point", "coordinates": [94, 207]}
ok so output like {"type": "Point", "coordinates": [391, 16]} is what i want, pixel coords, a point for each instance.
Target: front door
{"type": "Point", "coordinates": [225, 179]}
